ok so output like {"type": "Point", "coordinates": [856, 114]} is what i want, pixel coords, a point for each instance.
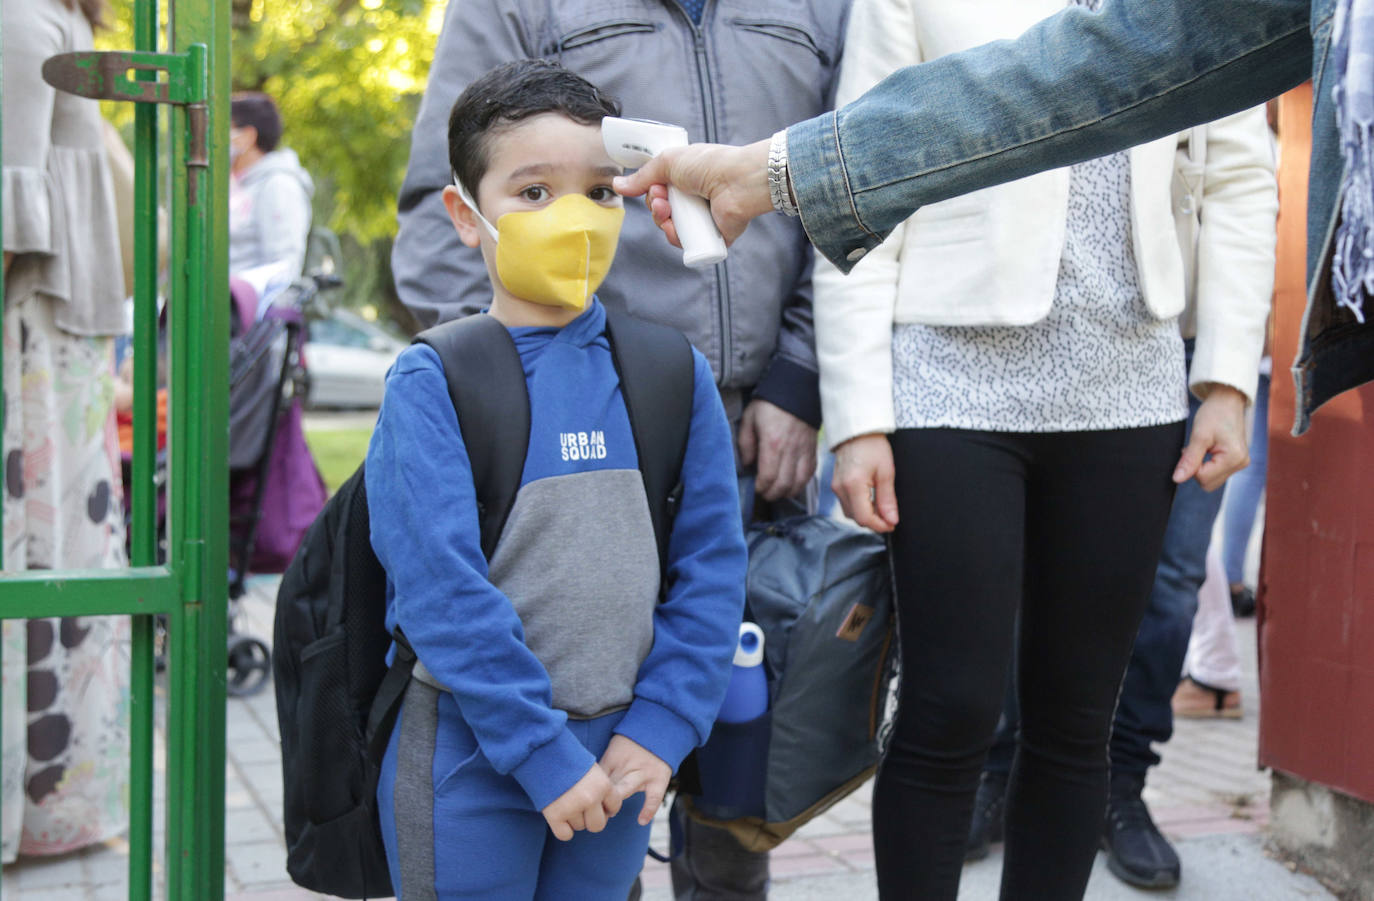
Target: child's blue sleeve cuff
{"type": "Point", "coordinates": [659, 731]}
{"type": "Point", "coordinates": [552, 769]}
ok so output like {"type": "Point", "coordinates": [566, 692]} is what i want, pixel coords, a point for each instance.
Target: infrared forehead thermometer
{"type": "Point", "coordinates": [632, 143]}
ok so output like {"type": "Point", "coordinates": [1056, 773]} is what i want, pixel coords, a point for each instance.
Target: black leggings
{"type": "Point", "coordinates": [1068, 526]}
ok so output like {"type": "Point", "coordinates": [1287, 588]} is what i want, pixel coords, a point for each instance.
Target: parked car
{"type": "Point", "coordinates": [347, 358]}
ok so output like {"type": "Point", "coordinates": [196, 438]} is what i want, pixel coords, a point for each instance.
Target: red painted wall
{"type": "Point", "coordinates": [1317, 577]}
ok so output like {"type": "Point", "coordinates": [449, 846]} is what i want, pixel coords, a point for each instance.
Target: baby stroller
{"type": "Point", "coordinates": [275, 491]}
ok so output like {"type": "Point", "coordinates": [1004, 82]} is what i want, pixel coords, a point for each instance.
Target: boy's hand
{"type": "Point", "coordinates": [587, 805]}
{"type": "Point", "coordinates": [633, 769]}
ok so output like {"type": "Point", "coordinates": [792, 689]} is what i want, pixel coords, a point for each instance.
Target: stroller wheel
{"type": "Point", "coordinates": [249, 664]}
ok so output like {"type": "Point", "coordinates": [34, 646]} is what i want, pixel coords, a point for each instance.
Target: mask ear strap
{"type": "Point", "coordinates": [472, 205]}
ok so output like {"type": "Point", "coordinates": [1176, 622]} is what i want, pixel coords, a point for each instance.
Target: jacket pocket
{"type": "Point", "coordinates": [784, 31]}
{"type": "Point", "coordinates": [603, 31]}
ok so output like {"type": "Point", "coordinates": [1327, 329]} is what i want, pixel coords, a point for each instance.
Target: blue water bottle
{"type": "Point", "coordinates": [747, 697]}
{"type": "Point", "coordinates": [734, 762]}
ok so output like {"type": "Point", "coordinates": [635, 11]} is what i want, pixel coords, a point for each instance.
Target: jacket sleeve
{"type": "Point", "coordinates": [854, 312]}
{"type": "Point", "coordinates": [682, 681]}
{"type": "Point", "coordinates": [1073, 87]}
{"type": "Point", "coordinates": [791, 379]}
{"type": "Point", "coordinates": [466, 632]}
{"type": "Point", "coordinates": [30, 36]}
{"type": "Point", "coordinates": [437, 277]}
{"type": "Point", "coordinates": [1235, 253]}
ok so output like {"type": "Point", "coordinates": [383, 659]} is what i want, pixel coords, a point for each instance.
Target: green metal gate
{"type": "Point", "coordinates": [188, 75]}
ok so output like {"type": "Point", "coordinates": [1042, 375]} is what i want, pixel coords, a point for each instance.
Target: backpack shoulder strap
{"type": "Point", "coordinates": [656, 372]}
{"type": "Point", "coordinates": [486, 383]}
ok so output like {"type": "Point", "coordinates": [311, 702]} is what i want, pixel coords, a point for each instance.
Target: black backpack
{"type": "Point", "coordinates": [336, 697]}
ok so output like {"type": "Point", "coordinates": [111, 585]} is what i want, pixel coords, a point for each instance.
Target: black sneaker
{"type": "Point", "coordinates": [989, 815]}
{"type": "Point", "coordinates": [1136, 850]}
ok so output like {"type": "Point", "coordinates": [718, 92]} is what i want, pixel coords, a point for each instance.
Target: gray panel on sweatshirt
{"type": "Point", "coordinates": [578, 560]}
{"type": "Point", "coordinates": [414, 791]}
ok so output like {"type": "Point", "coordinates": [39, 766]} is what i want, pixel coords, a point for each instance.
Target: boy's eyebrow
{"type": "Point", "coordinates": [545, 169]}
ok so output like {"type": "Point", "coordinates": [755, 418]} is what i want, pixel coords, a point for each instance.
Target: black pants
{"type": "Point", "coordinates": [1068, 527]}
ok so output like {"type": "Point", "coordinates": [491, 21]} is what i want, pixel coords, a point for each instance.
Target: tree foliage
{"type": "Point", "coordinates": [347, 75]}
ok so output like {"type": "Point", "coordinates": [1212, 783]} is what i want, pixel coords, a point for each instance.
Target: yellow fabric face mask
{"type": "Point", "coordinates": [557, 256]}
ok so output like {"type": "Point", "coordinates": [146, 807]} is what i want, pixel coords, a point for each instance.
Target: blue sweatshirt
{"type": "Point", "coordinates": [564, 619]}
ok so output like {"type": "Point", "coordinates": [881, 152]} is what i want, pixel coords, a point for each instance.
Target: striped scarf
{"type": "Point", "coordinates": [1352, 55]}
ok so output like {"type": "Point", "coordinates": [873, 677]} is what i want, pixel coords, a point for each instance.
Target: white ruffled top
{"type": "Point", "coordinates": [59, 202]}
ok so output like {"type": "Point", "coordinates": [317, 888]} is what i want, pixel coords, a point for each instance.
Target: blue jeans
{"type": "Point", "coordinates": [1244, 489]}
{"type": "Point", "coordinates": [1143, 713]}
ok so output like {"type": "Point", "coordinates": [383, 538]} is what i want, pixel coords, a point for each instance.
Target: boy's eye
{"type": "Point", "coordinates": [602, 194]}
{"type": "Point", "coordinates": [535, 193]}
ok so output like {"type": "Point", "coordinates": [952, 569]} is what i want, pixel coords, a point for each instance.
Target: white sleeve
{"type": "Point", "coordinates": [854, 312]}
{"type": "Point", "coordinates": [1235, 260]}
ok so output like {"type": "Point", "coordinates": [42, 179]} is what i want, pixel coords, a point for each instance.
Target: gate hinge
{"type": "Point", "coordinates": [105, 75]}
{"type": "Point", "coordinates": [179, 79]}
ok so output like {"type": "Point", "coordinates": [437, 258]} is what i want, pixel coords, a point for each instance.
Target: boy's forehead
{"type": "Point", "coordinates": [549, 144]}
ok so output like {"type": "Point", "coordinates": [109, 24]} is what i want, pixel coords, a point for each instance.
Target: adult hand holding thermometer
{"type": "Point", "coordinates": [633, 142]}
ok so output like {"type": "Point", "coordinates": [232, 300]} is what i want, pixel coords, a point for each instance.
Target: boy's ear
{"type": "Point", "coordinates": [464, 220]}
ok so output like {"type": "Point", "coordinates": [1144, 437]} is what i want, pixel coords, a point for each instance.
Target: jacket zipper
{"type": "Point", "coordinates": [704, 82]}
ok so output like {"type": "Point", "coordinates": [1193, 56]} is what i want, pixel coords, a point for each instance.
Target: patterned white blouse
{"type": "Point", "coordinates": [1098, 360]}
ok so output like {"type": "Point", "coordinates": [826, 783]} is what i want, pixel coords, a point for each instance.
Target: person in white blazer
{"type": "Point", "coordinates": [1227, 227]}
{"type": "Point", "coordinates": [1003, 382]}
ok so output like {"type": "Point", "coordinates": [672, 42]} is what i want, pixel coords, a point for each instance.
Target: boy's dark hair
{"type": "Point", "coordinates": [259, 111]}
{"type": "Point", "coordinates": [512, 92]}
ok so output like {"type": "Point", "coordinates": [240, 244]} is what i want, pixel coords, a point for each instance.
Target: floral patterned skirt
{"type": "Point", "coordinates": [64, 745]}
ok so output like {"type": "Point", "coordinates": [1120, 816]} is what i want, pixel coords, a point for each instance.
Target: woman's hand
{"type": "Point", "coordinates": [1218, 430]}
{"type": "Point", "coordinates": [864, 479]}
{"type": "Point", "coordinates": [734, 181]}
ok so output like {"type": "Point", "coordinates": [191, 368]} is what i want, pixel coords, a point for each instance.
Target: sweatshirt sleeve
{"type": "Point", "coordinates": [681, 684]}
{"type": "Point", "coordinates": [425, 531]}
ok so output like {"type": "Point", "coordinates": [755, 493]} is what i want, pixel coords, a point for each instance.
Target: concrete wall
{"type": "Point", "coordinates": [1326, 832]}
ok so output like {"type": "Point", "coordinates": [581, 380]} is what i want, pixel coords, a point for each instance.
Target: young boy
{"type": "Point", "coordinates": [553, 684]}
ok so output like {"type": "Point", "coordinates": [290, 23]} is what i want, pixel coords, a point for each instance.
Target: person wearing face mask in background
{"type": "Point", "coordinates": [269, 194]}
{"type": "Point", "coordinates": [553, 685]}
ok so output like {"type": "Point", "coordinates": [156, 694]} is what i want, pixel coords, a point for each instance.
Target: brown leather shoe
{"type": "Point", "coordinates": [1194, 700]}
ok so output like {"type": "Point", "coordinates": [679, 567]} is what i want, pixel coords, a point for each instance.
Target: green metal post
{"type": "Point", "coordinates": [200, 482]}
{"type": "Point", "coordinates": [143, 523]}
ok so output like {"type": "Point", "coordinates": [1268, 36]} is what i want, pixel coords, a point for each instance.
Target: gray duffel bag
{"type": "Point", "coordinates": [821, 590]}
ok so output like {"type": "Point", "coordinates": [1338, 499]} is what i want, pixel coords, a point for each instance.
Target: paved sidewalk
{"type": "Point", "coordinates": [1207, 795]}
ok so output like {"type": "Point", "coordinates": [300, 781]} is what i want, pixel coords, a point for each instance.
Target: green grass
{"type": "Point", "coordinates": [337, 452]}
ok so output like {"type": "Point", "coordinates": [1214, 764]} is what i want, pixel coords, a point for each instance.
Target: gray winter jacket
{"type": "Point", "coordinates": [269, 214]}
{"type": "Point", "coordinates": [751, 68]}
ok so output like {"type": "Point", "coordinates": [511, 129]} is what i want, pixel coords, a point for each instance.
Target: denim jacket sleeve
{"type": "Point", "coordinates": [438, 278]}
{"type": "Point", "coordinates": [1075, 86]}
